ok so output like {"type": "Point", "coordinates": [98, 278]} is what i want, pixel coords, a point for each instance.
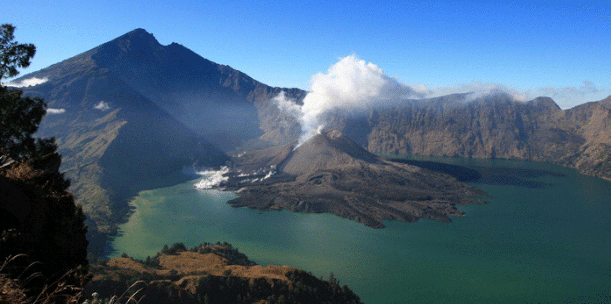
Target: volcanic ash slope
{"type": "Point", "coordinates": [331, 173]}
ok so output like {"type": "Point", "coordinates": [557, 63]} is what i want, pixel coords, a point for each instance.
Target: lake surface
{"type": "Point", "coordinates": [544, 237]}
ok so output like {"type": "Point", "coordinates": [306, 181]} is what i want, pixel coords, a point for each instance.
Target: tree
{"type": "Point", "coordinates": [13, 55]}
{"type": "Point", "coordinates": [38, 215]}
{"type": "Point", "coordinates": [21, 116]}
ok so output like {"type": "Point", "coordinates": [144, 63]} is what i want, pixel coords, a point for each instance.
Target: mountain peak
{"type": "Point", "coordinates": [544, 102]}
{"type": "Point", "coordinates": [137, 34]}
{"type": "Point", "coordinates": [137, 47]}
{"type": "Point", "coordinates": [329, 149]}
{"type": "Point", "coordinates": [135, 40]}
{"type": "Point", "coordinates": [140, 30]}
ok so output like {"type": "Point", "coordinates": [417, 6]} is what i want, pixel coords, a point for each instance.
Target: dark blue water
{"type": "Point", "coordinates": [544, 237]}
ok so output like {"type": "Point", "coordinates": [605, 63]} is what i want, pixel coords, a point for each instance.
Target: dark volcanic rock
{"type": "Point", "coordinates": [323, 151]}
{"type": "Point", "coordinates": [333, 174]}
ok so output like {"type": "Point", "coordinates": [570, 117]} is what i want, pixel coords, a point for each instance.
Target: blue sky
{"type": "Point", "coordinates": [554, 48]}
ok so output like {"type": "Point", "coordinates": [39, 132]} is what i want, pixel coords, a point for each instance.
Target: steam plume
{"type": "Point", "coordinates": [351, 85]}
{"type": "Point", "coordinates": [212, 178]}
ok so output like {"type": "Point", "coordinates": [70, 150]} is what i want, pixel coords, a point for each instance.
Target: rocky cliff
{"type": "Point", "coordinates": [497, 127]}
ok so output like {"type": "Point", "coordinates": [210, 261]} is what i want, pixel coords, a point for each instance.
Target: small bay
{"type": "Point", "coordinates": [544, 237]}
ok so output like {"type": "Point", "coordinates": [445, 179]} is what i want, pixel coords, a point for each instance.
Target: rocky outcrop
{"type": "Point", "coordinates": [211, 274]}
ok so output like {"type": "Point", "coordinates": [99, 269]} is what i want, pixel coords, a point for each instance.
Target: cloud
{"type": "Point", "coordinates": [477, 90]}
{"type": "Point", "coordinates": [55, 111]}
{"type": "Point", "coordinates": [351, 85]}
{"type": "Point", "coordinates": [570, 96]}
{"type": "Point", "coordinates": [565, 97]}
{"type": "Point", "coordinates": [286, 106]}
{"type": "Point", "coordinates": [102, 106]}
{"type": "Point", "coordinates": [574, 91]}
{"type": "Point", "coordinates": [27, 82]}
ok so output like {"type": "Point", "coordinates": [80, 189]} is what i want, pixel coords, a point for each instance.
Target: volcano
{"type": "Point", "coordinates": [330, 173]}
{"type": "Point", "coordinates": [324, 151]}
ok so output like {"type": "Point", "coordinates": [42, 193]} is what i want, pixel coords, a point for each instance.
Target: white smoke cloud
{"type": "Point", "coordinates": [27, 82]}
{"type": "Point", "coordinates": [421, 90]}
{"type": "Point", "coordinates": [287, 107]}
{"type": "Point", "coordinates": [350, 85]}
{"type": "Point", "coordinates": [211, 178]}
{"type": "Point", "coordinates": [102, 106]}
{"type": "Point", "coordinates": [55, 111]}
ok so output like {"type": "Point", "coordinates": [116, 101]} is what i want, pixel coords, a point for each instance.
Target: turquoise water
{"type": "Point", "coordinates": [545, 237]}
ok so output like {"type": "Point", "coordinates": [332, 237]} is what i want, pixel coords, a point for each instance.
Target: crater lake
{"type": "Point", "coordinates": [544, 237]}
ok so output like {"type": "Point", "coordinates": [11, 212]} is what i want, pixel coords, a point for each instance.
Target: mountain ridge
{"type": "Point", "coordinates": [185, 84]}
{"type": "Point", "coordinates": [490, 127]}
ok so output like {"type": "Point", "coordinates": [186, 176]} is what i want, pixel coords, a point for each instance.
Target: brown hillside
{"type": "Point", "coordinates": [213, 274]}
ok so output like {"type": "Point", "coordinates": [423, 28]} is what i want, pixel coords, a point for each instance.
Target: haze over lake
{"type": "Point", "coordinates": [544, 237]}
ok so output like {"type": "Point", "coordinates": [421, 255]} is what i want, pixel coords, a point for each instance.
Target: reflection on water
{"type": "Point", "coordinates": [544, 237]}
{"type": "Point", "coordinates": [486, 175]}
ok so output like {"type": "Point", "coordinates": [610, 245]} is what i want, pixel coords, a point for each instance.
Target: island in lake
{"type": "Point", "coordinates": [331, 173]}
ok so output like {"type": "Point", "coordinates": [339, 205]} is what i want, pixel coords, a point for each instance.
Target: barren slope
{"type": "Point", "coordinates": [330, 173]}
